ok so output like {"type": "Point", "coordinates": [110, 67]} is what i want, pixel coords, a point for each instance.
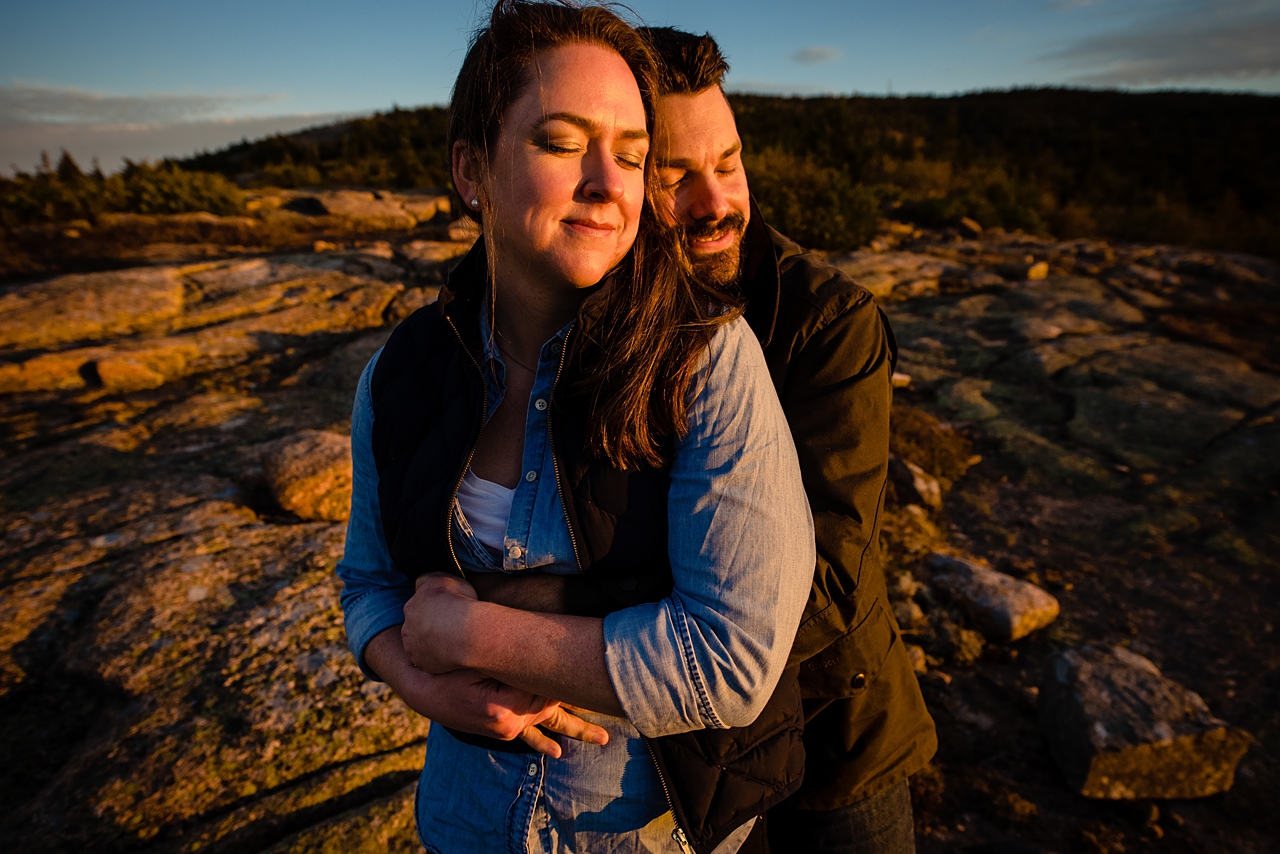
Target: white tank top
{"type": "Point", "coordinates": [486, 506]}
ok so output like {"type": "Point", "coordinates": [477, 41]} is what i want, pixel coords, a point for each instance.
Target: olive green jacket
{"type": "Point", "coordinates": [831, 353]}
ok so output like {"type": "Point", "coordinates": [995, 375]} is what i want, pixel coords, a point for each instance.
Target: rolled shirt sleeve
{"type": "Point", "coordinates": [741, 546]}
{"type": "Point", "coordinates": [373, 591]}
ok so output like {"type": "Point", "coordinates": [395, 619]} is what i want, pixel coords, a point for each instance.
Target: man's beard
{"type": "Point", "coordinates": [721, 268]}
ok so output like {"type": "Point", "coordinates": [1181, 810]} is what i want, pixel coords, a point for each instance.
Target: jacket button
{"type": "Point", "coordinates": [859, 681]}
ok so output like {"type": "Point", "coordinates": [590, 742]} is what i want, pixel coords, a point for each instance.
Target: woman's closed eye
{"type": "Point", "coordinates": [629, 160]}
{"type": "Point", "coordinates": [561, 147]}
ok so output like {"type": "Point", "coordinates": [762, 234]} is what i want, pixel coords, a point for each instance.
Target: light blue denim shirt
{"type": "Point", "coordinates": [708, 655]}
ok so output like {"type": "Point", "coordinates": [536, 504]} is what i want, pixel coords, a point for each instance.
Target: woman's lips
{"type": "Point", "coordinates": [590, 228]}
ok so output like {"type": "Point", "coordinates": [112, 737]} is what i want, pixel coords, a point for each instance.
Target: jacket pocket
{"type": "Point", "coordinates": [847, 666]}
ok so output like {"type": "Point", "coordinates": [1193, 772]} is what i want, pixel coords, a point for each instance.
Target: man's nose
{"type": "Point", "coordinates": [705, 201]}
{"type": "Point", "coordinates": [603, 181]}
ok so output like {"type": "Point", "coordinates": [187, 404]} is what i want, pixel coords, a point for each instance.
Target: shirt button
{"type": "Point", "coordinates": [531, 476]}
{"type": "Point", "coordinates": [540, 404]}
{"type": "Point", "coordinates": [555, 348]}
{"type": "Point", "coordinates": [533, 769]}
{"type": "Point", "coordinates": [515, 552]}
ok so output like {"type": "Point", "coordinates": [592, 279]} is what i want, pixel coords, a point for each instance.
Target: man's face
{"type": "Point", "coordinates": [699, 159]}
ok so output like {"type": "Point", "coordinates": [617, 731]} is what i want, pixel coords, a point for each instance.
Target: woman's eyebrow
{"type": "Point", "coordinates": [587, 125]}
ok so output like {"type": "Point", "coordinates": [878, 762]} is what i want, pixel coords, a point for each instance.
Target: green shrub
{"type": "Point", "coordinates": [65, 192]}
{"type": "Point", "coordinates": [817, 206]}
{"type": "Point", "coordinates": [167, 189]}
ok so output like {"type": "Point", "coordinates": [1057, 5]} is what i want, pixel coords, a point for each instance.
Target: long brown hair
{"type": "Point", "coordinates": [642, 335]}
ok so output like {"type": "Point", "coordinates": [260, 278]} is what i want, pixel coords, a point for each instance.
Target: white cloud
{"type": "Point", "coordinates": [24, 102]}
{"type": "Point", "coordinates": [817, 55]}
{"type": "Point", "coordinates": [1183, 42]}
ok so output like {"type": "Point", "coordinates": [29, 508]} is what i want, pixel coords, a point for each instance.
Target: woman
{"type": "Point", "coordinates": [581, 415]}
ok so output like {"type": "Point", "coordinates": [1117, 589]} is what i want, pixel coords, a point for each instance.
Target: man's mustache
{"type": "Point", "coordinates": [732, 221]}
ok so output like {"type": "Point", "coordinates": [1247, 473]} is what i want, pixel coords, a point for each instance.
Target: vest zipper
{"type": "Point", "coordinates": [484, 417]}
{"type": "Point", "coordinates": [677, 834]}
{"type": "Point", "coordinates": [555, 458]}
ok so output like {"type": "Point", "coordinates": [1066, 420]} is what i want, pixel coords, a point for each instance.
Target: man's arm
{"type": "Point", "coordinates": [837, 399]}
{"type": "Point", "coordinates": [447, 629]}
{"type": "Point", "coordinates": [471, 702]}
{"type": "Point", "coordinates": [542, 593]}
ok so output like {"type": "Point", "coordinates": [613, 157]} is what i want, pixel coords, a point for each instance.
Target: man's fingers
{"type": "Point", "coordinates": [439, 582]}
{"type": "Point", "coordinates": [534, 737]}
{"type": "Point", "coordinates": [573, 726]}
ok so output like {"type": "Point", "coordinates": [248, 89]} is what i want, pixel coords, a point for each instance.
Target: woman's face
{"type": "Point", "coordinates": [567, 176]}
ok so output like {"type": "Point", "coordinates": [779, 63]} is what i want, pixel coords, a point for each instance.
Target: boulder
{"type": "Point", "coordinates": [1146, 426]}
{"type": "Point", "coordinates": [966, 397]}
{"type": "Point", "coordinates": [881, 272]}
{"type": "Point", "coordinates": [1024, 270]}
{"type": "Point", "coordinates": [908, 614]}
{"type": "Point", "coordinates": [221, 279]}
{"type": "Point", "coordinates": [309, 474]}
{"type": "Point", "coordinates": [1123, 731]}
{"type": "Point", "coordinates": [365, 209]}
{"type": "Point", "coordinates": [1047, 461]}
{"type": "Point", "coordinates": [1199, 371]}
{"type": "Point", "coordinates": [913, 484]}
{"type": "Point", "coordinates": [919, 663]}
{"type": "Point", "coordinates": [88, 307]}
{"type": "Point", "coordinates": [1073, 303]}
{"type": "Point", "coordinates": [1044, 360]}
{"type": "Point", "coordinates": [1003, 607]}
{"type": "Point", "coordinates": [421, 206]}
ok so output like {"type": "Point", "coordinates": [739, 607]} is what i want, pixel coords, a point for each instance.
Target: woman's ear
{"type": "Point", "coordinates": [465, 179]}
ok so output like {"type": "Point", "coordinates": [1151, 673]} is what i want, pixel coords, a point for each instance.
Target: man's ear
{"type": "Point", "coordinates": [465, 178]}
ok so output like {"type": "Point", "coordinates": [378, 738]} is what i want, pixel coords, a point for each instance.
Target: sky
{"type": "Point", "coordinates": [144, 79]}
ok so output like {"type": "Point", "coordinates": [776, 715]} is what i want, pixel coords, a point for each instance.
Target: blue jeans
{"type": "Point", "coordinates": [881, 824]}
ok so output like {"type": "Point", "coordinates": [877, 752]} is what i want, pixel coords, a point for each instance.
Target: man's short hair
{"type": "Point", "coordinates": [687, 64]}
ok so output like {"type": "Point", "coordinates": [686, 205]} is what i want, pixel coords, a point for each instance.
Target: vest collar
{"type": "Point", "coordinates": [461, 297]}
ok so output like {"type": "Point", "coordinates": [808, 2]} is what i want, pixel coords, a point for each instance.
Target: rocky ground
{"type": "Point", "coordinates": [1082, 533]}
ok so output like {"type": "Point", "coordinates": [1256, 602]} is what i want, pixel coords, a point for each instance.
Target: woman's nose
{"type": "Point", "coordinates": [603, 181]}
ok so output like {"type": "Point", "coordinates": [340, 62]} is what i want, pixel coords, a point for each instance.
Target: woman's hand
{"type": "Point", "coordinates": [436, 623]}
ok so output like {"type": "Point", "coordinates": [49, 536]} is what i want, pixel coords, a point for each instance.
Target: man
{"type": "Point", "coordinates": [830, 352]}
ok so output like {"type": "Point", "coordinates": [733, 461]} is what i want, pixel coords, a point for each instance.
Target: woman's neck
{"type": "Point", "coordinates": [526, 316]}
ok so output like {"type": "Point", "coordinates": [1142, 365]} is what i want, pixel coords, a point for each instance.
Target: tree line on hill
{"type": "Point", "coordinates": [1192, 168]}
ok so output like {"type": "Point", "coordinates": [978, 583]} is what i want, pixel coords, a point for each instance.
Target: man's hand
{"type": "Point", "coordinates": [436, 623]}
{"type": "Point", "coordinates": [470, 702]}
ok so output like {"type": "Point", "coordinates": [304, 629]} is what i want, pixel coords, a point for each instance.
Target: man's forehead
{"type": "Point", "coordinates": [698, 126]}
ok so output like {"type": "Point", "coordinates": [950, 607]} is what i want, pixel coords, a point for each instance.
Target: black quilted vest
{"type": "Point", "coordinates": [429, 404]}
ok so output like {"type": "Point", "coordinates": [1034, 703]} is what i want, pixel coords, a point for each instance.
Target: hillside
{"type": "Point", "coordinates": [1191, 168]}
